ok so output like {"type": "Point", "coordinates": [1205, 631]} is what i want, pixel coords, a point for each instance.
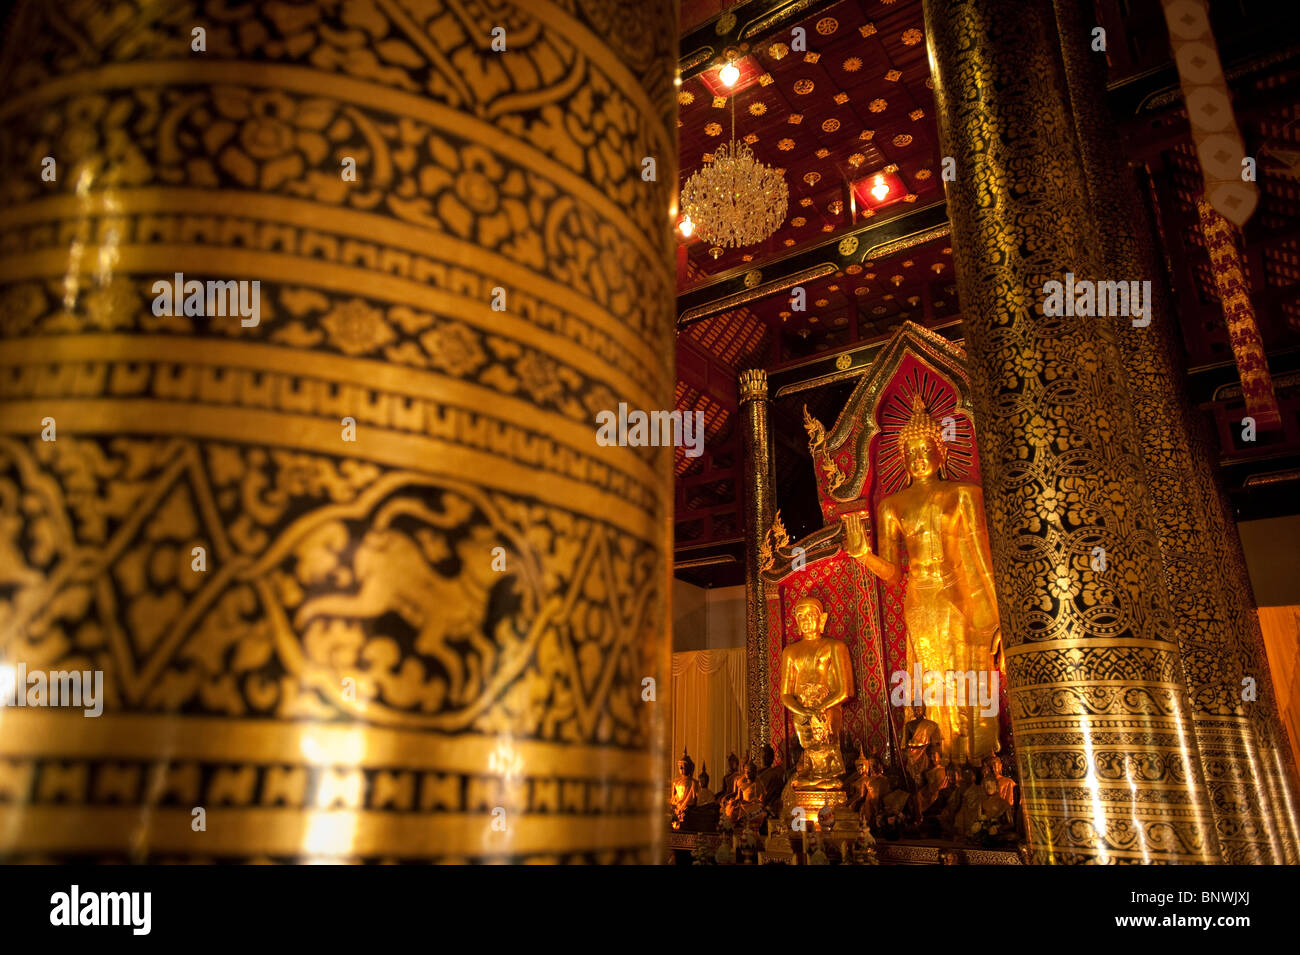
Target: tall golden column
{"type": "Point", "coordinates": [339, 537]}
{"type": "Point", "coordinates": [759, 507]}
{"type": "Point", "coordinates": [1240, 737]}
{"type": "Point", "coordinates": [1104, 735]}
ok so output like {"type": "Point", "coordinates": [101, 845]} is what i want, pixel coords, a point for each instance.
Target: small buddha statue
{"type": "Point", "coordinates": [703, 796]}
{"type": "Point", "coordinates": [726, 851]}
{"type": "Point", "coordinates": [856, 785]}
{"type": "Point", "coordinates": [993, 809]}
{"type": "Point", "coordinates": [935, 780]}
{"type": "Point", "coordinates": [878, 787]}
{"type": "Point", "coordinates": [965, 803]}
{"type": "Point", "coordinates": [818, 855]}
{"type": "Point", "coordinates": [1006, 785]}
{"type": "Point", "coordinates": [771, 778]}
{"type": "Point", "coordinates": [729, 779]}
{"type": "Point", "coordinates": [745, 806]}
{"type": "Point", "coordinates": [919, 734]}
{"type": "Point", "coordinates": [684, 792]}
{"type": "Point", "coordinates": [816, 679]}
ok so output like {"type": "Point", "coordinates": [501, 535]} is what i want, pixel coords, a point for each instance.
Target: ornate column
{"type": "Point", "coordinates": [360, 580]}
{"type": "Point", "coordinates": [759, 508]}
{"type": "Point", "coordinates": [1218, 631]}
{"type": "Point", "coordinates": [1104, 738]}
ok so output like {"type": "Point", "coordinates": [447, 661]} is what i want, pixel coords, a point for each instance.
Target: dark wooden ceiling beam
{"type": "Point", "coordinates": [740, 28]}
{"type": "Point", "coordinates": [728, 290]}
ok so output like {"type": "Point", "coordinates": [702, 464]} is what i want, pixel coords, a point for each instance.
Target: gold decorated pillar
{"type": "Point", "coordinates": [1240, 737]}
{"type": "Point", "coordinates": [359, 579]}
{"type": "Point", "coordinates": [1104, 736]}
{"type": "Point", "coordinates": [758, 493]}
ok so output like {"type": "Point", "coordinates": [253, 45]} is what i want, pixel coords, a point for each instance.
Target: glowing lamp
{"type": "Point", "coordinates": [729, 75]}
{"type": "Point", "coordinates": [686, 226]}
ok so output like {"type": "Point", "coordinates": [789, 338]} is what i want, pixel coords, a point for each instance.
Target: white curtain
{"type": "Point", "coordinates": [708, 714]}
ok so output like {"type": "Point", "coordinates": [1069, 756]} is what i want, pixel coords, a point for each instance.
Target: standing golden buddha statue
{"type": "Point", "coordinates": [950, 607]}
{"type": "Point", "coordinates": [816, 678]}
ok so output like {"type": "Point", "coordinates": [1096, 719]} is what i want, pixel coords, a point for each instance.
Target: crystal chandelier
{"type": "Point", "coordinates": [735, 200]}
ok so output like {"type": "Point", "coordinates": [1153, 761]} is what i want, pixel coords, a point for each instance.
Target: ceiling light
{"type": "Point", "coordinates": [729, 74]}
{"type": "Point", "coordinates": [880, 188]}
{"type": "Point", "coordinates": [687, 226]}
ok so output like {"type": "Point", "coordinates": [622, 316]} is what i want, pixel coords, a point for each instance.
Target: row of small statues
{"type": "Point", "coordinates": [965, 803]}
{"type": "Point", "coordinates": [930, 798]}
{"type": "Point", "coordinates": [748, 850]}
{"type": "Point", "coordinates": [746, 798]}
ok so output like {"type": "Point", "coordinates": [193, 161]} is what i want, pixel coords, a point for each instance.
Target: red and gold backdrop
{"type": "Point", "coordinates": [858, 464]}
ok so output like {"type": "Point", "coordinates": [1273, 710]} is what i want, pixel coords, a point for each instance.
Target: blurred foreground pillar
{"type": "Point", "coordinates": [358, 578]}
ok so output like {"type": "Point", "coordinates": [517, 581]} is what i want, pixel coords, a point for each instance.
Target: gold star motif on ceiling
{"type": "Point", "coordinates": [785, 145]}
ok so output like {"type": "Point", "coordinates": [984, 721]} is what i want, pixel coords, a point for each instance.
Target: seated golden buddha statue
{"type": "Point", "coordinates": [934, 780]}
{"type": "Point", "coordinates": [920, 734]}
{"type": "Point", "coordinates": [771, 779]}
{"type": "Point", "coordinates": [1006, 785]}
{"type": "Point", "coordinates": [816, 679]}
{"type": "Point", "coordinates": [856, 785]}
{"type": "Point", "coordinates": [730, 778]}
{"type": "Point", "coordinates": [963, 808]}
{"type": "Point", "coordinates": [744, 807]}
{"type": "Point", "coordinates": [949, 606]}
{"type": "Point", "coordinates": [684, 792]}
{"type": "Point", "coordinates": [994, 811]}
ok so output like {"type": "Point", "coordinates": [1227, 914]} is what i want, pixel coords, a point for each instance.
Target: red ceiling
{"type": "Point", "coordinates": [855, 103]}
